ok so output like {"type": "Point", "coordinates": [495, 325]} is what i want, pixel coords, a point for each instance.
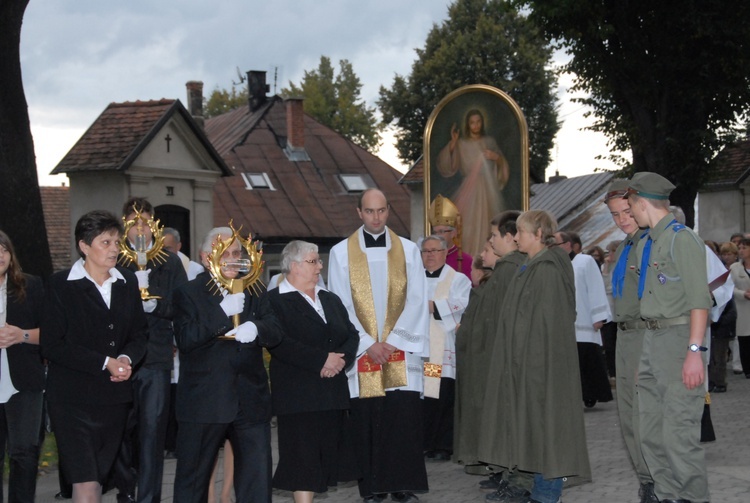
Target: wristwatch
{"type": "Point", "coordinates": [695, 348]}
{"type": "Point", "coordinates": [25, 337]}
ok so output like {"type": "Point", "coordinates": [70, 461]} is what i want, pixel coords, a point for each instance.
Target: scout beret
{"type": "Point", "coordinates": [617, 189]}
{"type": "Point", "coordinates": [650, 185]}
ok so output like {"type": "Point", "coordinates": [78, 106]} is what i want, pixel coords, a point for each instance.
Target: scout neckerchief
{"type": "Point", "coordinates": [433, 369]}
{"type": "Point", "coordinates": [374, 378]}
{"type": "Point", "coordinates": [618, 276]}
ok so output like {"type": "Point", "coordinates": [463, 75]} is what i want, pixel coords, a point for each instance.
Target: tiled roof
{"type": "Point", "coordinates": [731, 166]}
{"type": "Point", "coordinates": [121, 132]}
{"type": "Point", "coordinates": [56, 207]}
{"type": "Point", "coordinates": [309, 200]}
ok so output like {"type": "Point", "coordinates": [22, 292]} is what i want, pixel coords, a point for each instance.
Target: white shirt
{"type": "Point", "coordinates": [286, 287]}
{"type": "Point", "coordinates": [592, 305]}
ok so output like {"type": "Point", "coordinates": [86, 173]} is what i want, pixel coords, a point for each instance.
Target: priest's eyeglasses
{"type": "Point", "coordinates": [314, 261]}
{"type": "Point", "coordinates": [432, 252]}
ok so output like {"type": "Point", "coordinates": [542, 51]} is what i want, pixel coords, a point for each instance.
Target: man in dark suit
{"type": "Point", "coordinates": [223, 389]}
{"type": "Point", "coordinates": [147, 424]}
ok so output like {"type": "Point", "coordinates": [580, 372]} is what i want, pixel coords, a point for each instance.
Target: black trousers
{"type": "Point", "coordinates": [438, 418]}
{"type": "Point", "coordinates": [141, 456]}
{"type": "Point", "coordinates": [197, 446]}
{"type": "Point", "coordinates": [743, 341]}
{"type": "Point", "coordinates": [388, 436]}
{"type": "Point", "coordinates": [20, 420]}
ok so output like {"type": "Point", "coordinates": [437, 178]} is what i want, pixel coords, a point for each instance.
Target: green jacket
{"type": "Point", "coordinates": [533, 419]}
{"type": "Point", "coordinates": [474, 342]}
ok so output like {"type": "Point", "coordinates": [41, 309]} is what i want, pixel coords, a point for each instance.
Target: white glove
{"type": "Point", "coordinates": [149, 305]}
{"type": "Point", "coordinates": [142, 278]}
{"type": "Point", "coordinates": [233, 303]}
{"type": "Point", "coordinates": [247, 332]}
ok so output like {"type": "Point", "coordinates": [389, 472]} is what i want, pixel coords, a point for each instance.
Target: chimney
{"type": "Point", "coordinates": [295, 123]}
{"type": "Point", "coordinates": [256, 89]}
{"type": "Point", "coordinates": [557, 178]}
{"type": "Point", "coordinates": [195, 100]}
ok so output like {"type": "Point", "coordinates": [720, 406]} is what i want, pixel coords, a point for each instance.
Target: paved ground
{"type": "Point", "coordinates": [728, 462]}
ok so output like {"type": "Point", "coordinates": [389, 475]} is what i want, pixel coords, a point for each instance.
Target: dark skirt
{"type": "Point", "coordinates": [88, 438]}
{"type": "Point", "coordinates": [311, 448]}
{"type": "Point", "coordinates": [594, 380]}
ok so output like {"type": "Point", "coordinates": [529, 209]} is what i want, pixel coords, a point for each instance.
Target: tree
{"type": "Point", "coordinates": [21, 215]}
{"type": "Point", "coordinates": [221, 101]}
{"type": "Point", "coordinates": [481, 42]}
{"type": "Point", "coordinates": [668, 81]}
{"type": "Point", "coordinates": [335, 101]}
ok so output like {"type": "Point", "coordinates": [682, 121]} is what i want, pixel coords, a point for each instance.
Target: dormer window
{"type": "Point", "coordinates": [257, 181]}
{"type": "Point", "coordinates": [355, 183]}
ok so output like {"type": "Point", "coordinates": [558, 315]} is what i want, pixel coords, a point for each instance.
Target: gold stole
{"type": "Point", "coordinates": [374, 378]}
{"type": "Point", "coordinates": [433, 369]}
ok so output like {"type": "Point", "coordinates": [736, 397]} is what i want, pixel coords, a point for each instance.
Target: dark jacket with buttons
{"type": "Point", "coordinates": [24, 361]}
{"type": "Point", "coordinates": [220, 377]}
{"type": "Point", "coordinates": [296, 362]}
{"type": "Point", "coordinates": [165, 276]}
{"type": "Point", "coordinates": [78, 332]}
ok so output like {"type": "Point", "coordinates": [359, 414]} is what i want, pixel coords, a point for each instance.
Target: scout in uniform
{"type": "Point", "coordinates": [630, 329]}
{"type": "Point", "coordinates": [675, 301]}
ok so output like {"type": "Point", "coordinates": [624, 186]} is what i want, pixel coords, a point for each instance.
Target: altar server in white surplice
{"type": "Point", "coordinates": [448, 295]}
{"type": "Point", "coordinates": [380, 279]}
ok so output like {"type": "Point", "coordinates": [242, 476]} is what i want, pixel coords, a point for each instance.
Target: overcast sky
{"type": "Point", "coordinates": [77, 56]}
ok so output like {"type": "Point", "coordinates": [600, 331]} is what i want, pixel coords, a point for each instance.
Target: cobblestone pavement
{"type": "Point", "coordinates": [614, 481]}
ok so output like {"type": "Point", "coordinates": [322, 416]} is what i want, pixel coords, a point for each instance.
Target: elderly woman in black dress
{"type": "Point", "coordinates": [21, 372]}
{"type": "Point", "coordinates": [308, 381]}
{"type": "Point", "coordinates": [93, 331]}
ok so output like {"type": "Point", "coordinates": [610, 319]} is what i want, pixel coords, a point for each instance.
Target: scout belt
{"type": "Point", "coordinates": [668, 322]}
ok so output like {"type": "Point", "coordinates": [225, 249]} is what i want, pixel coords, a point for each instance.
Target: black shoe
{"type": "Point", "coordinates": [720, 389]}
{"type": "Point", "coordinates": [747, 376]}
{"type": "Point", "coordinates": [441, 455]}
{"type": "Point", "coordinates": [429, 454]}
{"type": "Point", "coordinates": [404, 497]}
{"type": "Point", "coordinates": [63, 496]}
{"type": "Point", "coordinates": [125, 498]}
{"type": "Point", "coordinates": [508, 493]}
{"type": "Point", "coordinates": [711, 387]}
{"type": "Point", "coordinates": [675, 501]}
{"type": "Point", "coordinates": [646, 492]}
{"type": "Point", "coordinates": [589, 403]}
{"type": "Point", "coordinates": [375, 498]}
{"type": "Point", "coordinates": [170, 455]}
{"type": "Point", "coordinates": [493, 482]}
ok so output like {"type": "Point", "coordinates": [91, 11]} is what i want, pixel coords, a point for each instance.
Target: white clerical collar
{"type": "Point", "coordinates": [79, 272]}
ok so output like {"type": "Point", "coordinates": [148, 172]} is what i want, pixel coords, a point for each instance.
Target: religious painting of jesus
{"type": "Point", "coordinates": [476, 155]}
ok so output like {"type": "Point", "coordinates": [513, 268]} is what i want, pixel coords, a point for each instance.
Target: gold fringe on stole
{"type": "Point", "coordinates": [433, 369]}
{"type": "Point", "coordinates": [373, 378]}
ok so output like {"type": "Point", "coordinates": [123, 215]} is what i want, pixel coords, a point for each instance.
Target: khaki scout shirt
{"type": "Point", "coordinates": [676, 278]}
{"type": "Point", "coordinates": [628, 307]}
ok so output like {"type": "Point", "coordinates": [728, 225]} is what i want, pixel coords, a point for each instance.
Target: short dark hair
{"type": "Point", "coordinates": [505, 222]}
{"type": "Point", "coordinates": [575, 238]}
{"type": "Point", "coordinates": [94, 223]}
{"type": "Point", "coordinates": [737, 235]}
{"type": "Point", "coordinates": [745, 242]}
{"type": "Point", "coordinates": [139, 202]}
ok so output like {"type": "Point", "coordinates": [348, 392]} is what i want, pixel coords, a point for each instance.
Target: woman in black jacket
{"type": "Point", "coordinates": [21, 372]}
{"type": "Point", "coordinates": [309, 387]}
{"type": "Point", "coordinates": [93, 332]}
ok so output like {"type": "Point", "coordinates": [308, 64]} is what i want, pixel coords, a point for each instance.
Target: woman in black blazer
{"type": "Point", "coordinates": [309, 387]}
{"type": "Point", "coordinates": [93, 332]}
{"type": "Point", "coordinates": [21, 373]}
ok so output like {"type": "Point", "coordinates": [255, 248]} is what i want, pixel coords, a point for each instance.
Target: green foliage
{"type": "Point", "coordinates": [668, 81]}
{"type": "Point", "coordinates": [481, 42]}
{"type": "Point", "coordinates": [335, 101]}
{"type": "Point", "coordinates": [221, 101]}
